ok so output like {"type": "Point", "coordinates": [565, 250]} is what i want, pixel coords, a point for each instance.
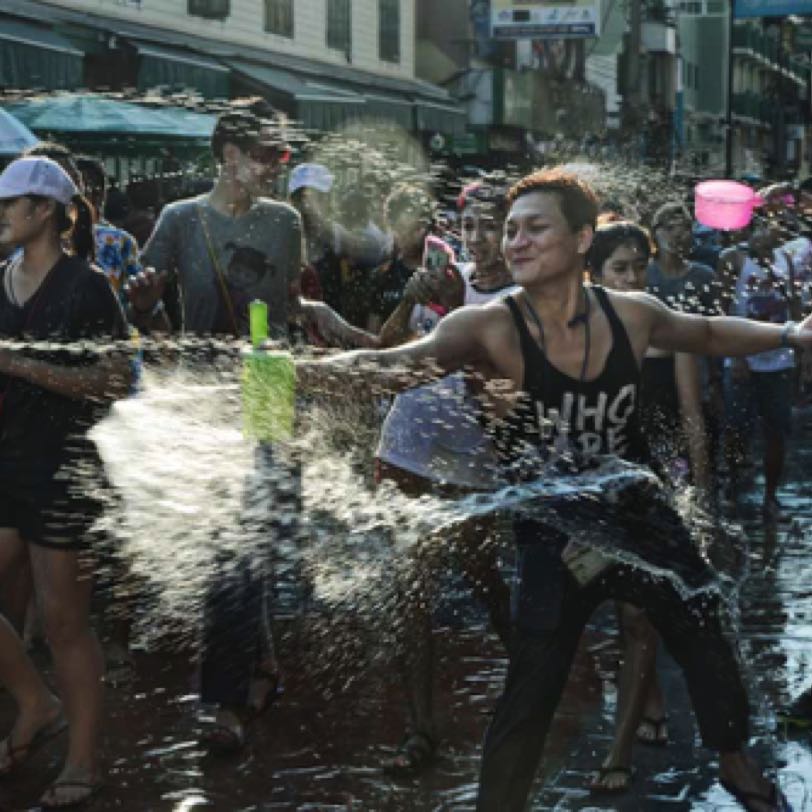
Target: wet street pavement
{"type": "Point", "coordinates": [319, 748]}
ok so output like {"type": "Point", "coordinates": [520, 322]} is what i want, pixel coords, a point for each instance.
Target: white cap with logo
{"type": "Point", "coordinates": [310, 176]}
{"type": "Point", "coordinates": [37, 176]}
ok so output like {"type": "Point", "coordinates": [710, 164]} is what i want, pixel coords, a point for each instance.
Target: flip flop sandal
{"type": "Point", "coordinates": [415, 752]}
{"type": "Point", "coordinates": [93, 788]}
{"type": "Point", "coordinates": [659, 726]}
{"type": "Point", "coordinates": [223, 740]}
{"type": "Point", "coordinates": [599, 788]}
{"type": "Point", "coordinates": [776, 799]}
{"type": "Point", "coordinates": [18, 754]}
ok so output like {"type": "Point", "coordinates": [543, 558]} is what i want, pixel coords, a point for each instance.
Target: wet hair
{"type": "Point", "coordinates": [667, 211]}
{"type": "Point", "coordinates": [92, 170]}
{"type": "Point", "coordinates": [250, 125]}
{"type": "Point", "coordinates": [608, 238]}
{"type": "Point", "coordinates": [78, 228]}
{"type": "Point", "coordinates": [59, 153]}
{"type": "Point", "coordinates": [408, 198]}
{"type": "Point", "coordinates": [490, 191]}
{"type": "Point", "coordinates": [577, 201]}
{"type": "Point", "coordinates": [239, 127]}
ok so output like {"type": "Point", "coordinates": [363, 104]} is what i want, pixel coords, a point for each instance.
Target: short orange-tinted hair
{"type": "Point", "coordinates": [578, 202]}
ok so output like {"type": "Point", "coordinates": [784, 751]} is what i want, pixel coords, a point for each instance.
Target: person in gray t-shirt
{"type": "Point", "coordinates": [672, 277]}
{"type": "Point", "coordinates": [228, 246]}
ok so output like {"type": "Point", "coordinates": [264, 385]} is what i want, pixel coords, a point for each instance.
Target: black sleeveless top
{"type": "Point", "coordinates": [563, 414]}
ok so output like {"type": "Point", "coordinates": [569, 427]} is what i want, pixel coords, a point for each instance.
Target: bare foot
{"type": "Point", "coordinates": [34, 726]}
{"type": "Point", "coordinates": [653, 730]}
{"type": "Point", "coordinates": [614, 778]}
{"type": "Point", "coordinates": [740, 776]}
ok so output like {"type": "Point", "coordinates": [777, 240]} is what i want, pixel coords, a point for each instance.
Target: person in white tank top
{"type": "Point", "coordinates": [433, 441]}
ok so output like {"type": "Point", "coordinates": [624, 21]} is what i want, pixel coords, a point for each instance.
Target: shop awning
{"type": "Point", "coordinates": [163, 65]}
{"type": "Point", "coordinates": [317, 105]}
{"type": "Point", "coordinates": [14, 135]}
{"type": "Point", "coordinates": [34, 57]}
{"type": "Point", "coordinates": [86, 113]}
{"type": "Point", "coordinates": [440, 118]}
{"type": "Point", "coordinates": [398, 110]}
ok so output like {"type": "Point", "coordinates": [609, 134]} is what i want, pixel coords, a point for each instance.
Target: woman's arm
{"type": "Point", "coordinates": [686, 369]}
{"type": "Point", "coordinates": [107, 379]}
{"type": "Point", "coordinates": [396, 328]}
{"type": "Point", "coordinates": [332, 328]}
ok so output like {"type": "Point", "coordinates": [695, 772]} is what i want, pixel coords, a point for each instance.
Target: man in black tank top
{"type": "Point", "coordinates": [575, 352]}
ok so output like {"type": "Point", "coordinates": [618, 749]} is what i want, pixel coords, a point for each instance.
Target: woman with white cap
{"type": "Point", "coordinates": [49, 398]}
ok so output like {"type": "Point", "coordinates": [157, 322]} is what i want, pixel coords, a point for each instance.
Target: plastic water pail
{"type": "Point", "coordinates": [724, 204]}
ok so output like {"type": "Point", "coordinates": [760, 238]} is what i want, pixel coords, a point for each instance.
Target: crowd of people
{"type": "Point", "coordinates": [530, 318]}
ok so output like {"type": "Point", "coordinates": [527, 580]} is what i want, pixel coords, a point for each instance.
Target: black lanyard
{"type": "Point", "coordinates": [581, 317]}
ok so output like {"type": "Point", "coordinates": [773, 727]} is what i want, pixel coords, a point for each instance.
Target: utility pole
{"type": "Point", "coordinates": [780, 123]}
{"type": "Point", "coordinates": [729, 105]}
{"type": "Point", "coordinates": [633, 101]}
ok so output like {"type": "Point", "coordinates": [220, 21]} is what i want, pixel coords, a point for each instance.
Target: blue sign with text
{"type": "Point", "coordinates": [772, 8]}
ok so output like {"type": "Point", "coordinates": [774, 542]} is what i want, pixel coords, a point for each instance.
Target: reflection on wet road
{"type": "Point", "coordinates": [319, 748]}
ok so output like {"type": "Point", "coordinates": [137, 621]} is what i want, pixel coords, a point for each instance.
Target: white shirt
{"type": "Point", "coordinates": [434, 431]}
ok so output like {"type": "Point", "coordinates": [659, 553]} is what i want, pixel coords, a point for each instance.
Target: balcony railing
{"type": "Point", "coordinates": [757, 42]}
{"type": "Point", "coordinates": [754, 106]}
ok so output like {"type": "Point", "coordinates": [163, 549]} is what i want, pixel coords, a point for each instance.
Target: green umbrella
{"type": "Point", "coordinates": [87, 113]}
{"type": "Point", "coordinates": [14, 135]}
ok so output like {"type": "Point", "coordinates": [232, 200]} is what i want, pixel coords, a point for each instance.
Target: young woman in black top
{"type": "Point", "coordinates": [50, 396]}
{"type": "Point", "coordinates": [671, 420]}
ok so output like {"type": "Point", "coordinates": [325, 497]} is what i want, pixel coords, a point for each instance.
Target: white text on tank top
{"type": "Point", "coordinates": [588, 428]}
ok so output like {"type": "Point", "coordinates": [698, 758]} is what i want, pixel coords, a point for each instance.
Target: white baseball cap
{"type": "Point", "coordinates": [310, 176]}
{"type": "Point", "coordinates": [37, 176]}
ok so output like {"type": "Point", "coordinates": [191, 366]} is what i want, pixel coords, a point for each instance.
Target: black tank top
{"type": "Point", "coordinates": [561, 413]}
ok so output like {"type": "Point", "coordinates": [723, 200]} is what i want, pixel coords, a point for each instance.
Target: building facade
{"type": "Point", "coordinates": [516, 92]}
{"type": "Point", "coordinates": [325, 62]}
{"type": "Point", "coordinates": [770, 101]}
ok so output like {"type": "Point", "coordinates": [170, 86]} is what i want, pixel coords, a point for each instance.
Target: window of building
{"type": "Point", "coordinates": [339, 25]}
{"type": "Point", "coordinates": [279, 17]}
{"type": "Point", "coordinates": [389, 30]}
{"type": "Point", "coordinates": [210, 9]}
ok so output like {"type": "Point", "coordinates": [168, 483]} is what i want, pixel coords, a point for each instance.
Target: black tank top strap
{"type": "Point", "coordinates": [620, 338]}
{"type": "Point", "coordinates": [529, 346]}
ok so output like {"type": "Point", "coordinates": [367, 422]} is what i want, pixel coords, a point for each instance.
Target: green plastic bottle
{"type": "Point", "coordinates": [268, 384]}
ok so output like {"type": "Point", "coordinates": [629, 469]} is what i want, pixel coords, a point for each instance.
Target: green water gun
{"type": "Point", "coordinates": [268, 384]}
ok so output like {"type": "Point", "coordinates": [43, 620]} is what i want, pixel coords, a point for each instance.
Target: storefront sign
{"type": "Point", "coordinates": [545, 19]}
{"type": "Point", "coordinates": [772, 8]}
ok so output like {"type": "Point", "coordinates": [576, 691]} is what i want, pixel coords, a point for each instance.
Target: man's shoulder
{"type": "Point", "coordinates": [186, 207]}
{"type": "Point", "coordinates": [279, 209]}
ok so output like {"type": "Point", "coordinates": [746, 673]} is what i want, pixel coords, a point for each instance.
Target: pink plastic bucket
{"type": "Point", "coordinates": [724, 204]}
